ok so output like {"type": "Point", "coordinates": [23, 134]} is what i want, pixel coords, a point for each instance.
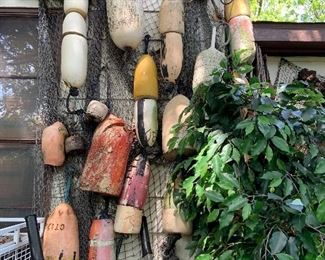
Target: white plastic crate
{"type": "Point", "coordinates": [14, 243]}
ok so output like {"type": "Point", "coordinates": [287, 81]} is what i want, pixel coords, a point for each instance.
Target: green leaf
{"type": "Point", "coordinates": [293, 249]}
{"type": "Point", "coordinates": [275, 183]}
{"type": "Point", "coordinates": [226, 152]}
{"type": "Point", "coordinates": [249, 129]}
{"type": "Point", "coordinates": [213, 215]}
{"type": "Point", "coordinates": [320, 213]}
{"type": "Point", "coordinates": [319, 192]}
{"type": "Point", "coordinates": [280, 143]}
{"type": "Point", "coordinates": [214, 196]}
{"type": "Point", "coordinates": [308, 241]}
{"type": "Point", "coordinates": [271, 175]}
{"type": "Point", "coordinates": [244, 69]}
{"type": "Point", "coordinates": [269, 153]}
{"type": "Point", "coordinates": [225, 219]}
{"type": "Point", "coordinates": [273, 196]}
{"type": "Point", "coordinates": [295, 204]}
{"type": "Point", "coordinates": [204, 257]}
{"type": "Point", "coordinates": [288, 187]}
{"type": "Point", "coordinates": [188, 185]}
{"type": "Point", "coordinates": [258, 147]}
{"type": "Point", "coordinates": [308, 114]}
{"type": "Point", "coordinates": [227, 181]}
{"type": "Point", "coordinates": [235, 155]}
{"type": "Point", "coordinates": [277, 242]}
{"type": "Point", "coordinates": [244, 124]}
{"type": "Point", "coordinates": [247, 210]}
{"type": "Point", "coordinates": [265, 108]}
{"type": "Point", "coordinates": [320, 168]}
{"type": "Point", "coordinates": [283, 256]}
{"type": "Point", "coordinates": [226, 255]}
{"type": "Point", "coordinates": [236, 203]}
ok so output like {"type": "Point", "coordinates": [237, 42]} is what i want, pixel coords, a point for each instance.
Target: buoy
{"type": "Point", "coordinates": [80, 6]}
{"type": "Point", "coordinates": [145, 79]}
{"type": "Point", "coordinates": [172, 112]}
{"type": "Point", "coordinates": [107, 158]}
{"type": "Point", "coordinates": [53, 138]}
{"type": "Point", "coordinates": [61, 236]}
{"type": "Point", "coordinates": [128, 216]}
{"type": "Point", "coordinates": [74, 50]}
{"type": "Point", "coordinates": [74, 143]}
{"type": "Point", "coordinates": [74, 23]}
{"type": "Point", "coordinates": [101, 240]}
{"type": "Point", "coordinates": [171, 16]}
{"type": "Point", "coordinates": [206, 62]}
{"type": "Point", "coordinates": [236, 8]}
{"type": "Point", "coordinates": [172, 221]}
{"type": "Point", "coordinates": [146, 121]}
{"type": "Point", "coordinates": [182, 250]}
{"type": "Point", "coordinates": [172, 56]}
{"type": "Point", "coordinates": [125, 22]}
{"type": "Point", "coordinates": [242, 38]}
{"type": "Point", "coordinates": [96, 111]}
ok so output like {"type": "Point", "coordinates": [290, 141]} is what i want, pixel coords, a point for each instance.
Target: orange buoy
{"type": "Point", "coordinates": [61, 236]}
{"type": "Point", "coordinates": [133, 197]}
{"type": "Point", "coordinates": [101, 240]}
{"type": "Point", "coordinates": [107, 158]}
{"type": "Point", "coordinates": [53, 138]}
{"type": "Point", "coordinates": [236, 8]}
{"type": "Point", "coordinates": [171, 16]}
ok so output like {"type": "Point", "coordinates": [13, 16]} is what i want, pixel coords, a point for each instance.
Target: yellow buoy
{"type": "Point", "coordinates": [145, 79]}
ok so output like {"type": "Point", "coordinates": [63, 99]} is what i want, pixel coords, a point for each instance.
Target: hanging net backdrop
{"type": "Point", "coordinates": [110, 80]}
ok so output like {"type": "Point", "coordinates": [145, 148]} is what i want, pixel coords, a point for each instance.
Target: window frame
{"type": "Point", "coordinates": [19, 12]}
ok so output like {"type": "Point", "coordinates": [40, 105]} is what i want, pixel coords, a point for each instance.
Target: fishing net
{"type": "Point", "coordinates": [109, 79]}
{"type": "Point", "coordinates": [288, 71]}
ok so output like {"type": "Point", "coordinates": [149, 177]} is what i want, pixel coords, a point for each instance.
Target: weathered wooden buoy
{"type": "Point", "coordinates": [171, 25]}
{"type": "Point", "coordinates": [53, 138]}
{"type": "Point", "coordinates": [80, 6]}
{"type": "Point", "coordinates": [133, 197]}
{"type": "Point", "coordinates": [171, 16]}
{"type": "Point", "coordinates": [206, 62]}
{"type": "Point", "coordinates": [242, 38]}
{"type": "Point", "coordinates": [101, 240]}
{"type": "Point", "coordinates": [145, 79]}
{"type": "Point", "coordinates": [74, 143]}
{"type": "Point", "coordinates": [146, 121]}
{"type": "Point", "coordinates": [172, 112]}
{"type": "Point", "coordinates": [172, 221]}
{"type": "Point", "coordinates": [74, 51]}
{"type": "Point", "coordinates": [236, 8]}
{"type": "Point", "coordinates": [125, 22]}
{"type": "Point", "coordinates": [74, 23]}
{"type": "Point", "coordinates": [96, 111]}
{"type": "Point", "coordinates": [107, 158]}
{"type": "Point", "coordinates": [61, 236]}
{"type": "Point", "coordinates": [172, 56]}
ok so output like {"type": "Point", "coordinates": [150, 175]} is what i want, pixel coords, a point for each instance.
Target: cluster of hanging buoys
{"type": "Point", "coordinates": [171, 26]}
{"type": "Point", "coordinates": [74, 48]}
{"type": "Point", "coordinates": [237, 14]}
{"type": "Point", "coordinates": [125, 22]}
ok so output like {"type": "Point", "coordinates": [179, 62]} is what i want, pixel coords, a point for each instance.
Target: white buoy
{"type": "Point", "coordinates": [125, 22]}
{"type": "Point", "coordinates": [206, 62]}
{"type": "Point", "coordinates": [80, 6]}
{"type": "Point", "coordinates": [74, 23]}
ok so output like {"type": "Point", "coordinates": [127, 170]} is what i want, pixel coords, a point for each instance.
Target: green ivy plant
{"type": "Point", "coordinates": [255, 188]}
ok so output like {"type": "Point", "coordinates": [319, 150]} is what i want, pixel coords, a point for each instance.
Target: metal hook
{"type": "Point", "coordinates": [146, 43]}
{"type": "Point", "coordinates": [73, 92]}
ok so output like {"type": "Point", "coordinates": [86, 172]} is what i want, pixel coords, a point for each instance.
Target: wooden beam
{"type": "Point", "coordinates": [290, 39]}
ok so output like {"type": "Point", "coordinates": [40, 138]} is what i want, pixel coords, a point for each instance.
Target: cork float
{"type": "Point", "coordinates": [53, 138]}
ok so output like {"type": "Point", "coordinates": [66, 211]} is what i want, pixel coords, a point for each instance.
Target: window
{"type": "Point", "coordinates": [18, 111]}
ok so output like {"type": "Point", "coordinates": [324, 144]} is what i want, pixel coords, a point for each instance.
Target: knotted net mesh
{"type": "Point", "coordinates": [110, 79]}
